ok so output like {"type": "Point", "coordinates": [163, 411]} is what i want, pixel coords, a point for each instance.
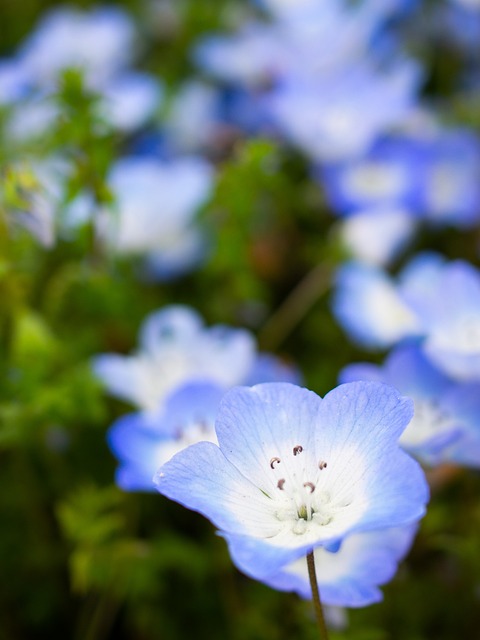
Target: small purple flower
{"type": "Point", "coordinates": [293, 471]}
{"type": "Point", "coordinates": [389, 174]}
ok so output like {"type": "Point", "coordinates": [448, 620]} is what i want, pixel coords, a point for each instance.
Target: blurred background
{"type": "Point", "coordinates": [229, 156]}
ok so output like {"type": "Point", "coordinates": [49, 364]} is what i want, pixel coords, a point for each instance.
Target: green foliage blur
{"type": "Point", "coordinates": [80, 559]}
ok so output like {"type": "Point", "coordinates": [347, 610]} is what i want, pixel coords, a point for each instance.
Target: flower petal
{"type": "Point", "coordinates": [255, 425]}
{"type": "Point", "coordinates": [202, 479]}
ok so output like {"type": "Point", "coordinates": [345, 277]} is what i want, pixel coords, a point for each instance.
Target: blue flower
{"type": "Point", "coordinates": [319, 116]}
{"type": "Point", "coordinates": [175, 348]}
{"type": "Point", "coordinates": [388, 174]}
{"type": "Point", "coordinates": [293, 471]}
{"type": "Point", "coordinates": [177, 380]}
{"type": "Point", "coordinates": [380, 312]}
{"type": "Point", "coordinates": [376, 236]}
{"type": "Point", "coordinates": [348, 577]}
{"type": "Point", "coordinates": [440, 423]}
{"type": "Point", "coordinates": [156, 206]}
{"type": "Point", "coordinates": [100, 42]}
{"type": "Point", "coordinates": [434, 174]}
{"type": "Point", "coordinates": [143, 442]}
{"type": "Point", "coordinates": [369, 306]}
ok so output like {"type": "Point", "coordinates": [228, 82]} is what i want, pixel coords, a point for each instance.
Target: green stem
{"type": "Point", "coordinates": [295, 307]}
{"type": "Point", "coordinates": [317, 603]}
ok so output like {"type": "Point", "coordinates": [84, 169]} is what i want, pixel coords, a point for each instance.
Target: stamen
{"type": "Point", "coordinates": [322, 465]}
{"type": "Point", "coordinates": [300, 527]}
{"type": "Point", "coordinates": [298, 449]}
{"type": "Point", "coordinates": [310, 485]}
{"type": "Point", "coordinates": [273, 462]}
{"type": "Point", "coordinates": [280, 484]}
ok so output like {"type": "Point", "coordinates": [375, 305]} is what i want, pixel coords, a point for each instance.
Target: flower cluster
{"type": "Point", "coordinates": [436, 354]}
{"type": "Point", "coordinates": [176, 381]}
{"type": "Point", "coordinates": [301, 147]}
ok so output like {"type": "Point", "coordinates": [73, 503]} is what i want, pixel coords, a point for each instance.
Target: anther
{"type": "Point", "coordinates": [273, 462]}
{"type": "Point", "coordinates": [310, 485]}
{"type": "Point", "coordinates": [280, 484]}
{"type": "Point", "coordinates": [298, 449]}
{"type": "Point", "coordinates": [322, 465]}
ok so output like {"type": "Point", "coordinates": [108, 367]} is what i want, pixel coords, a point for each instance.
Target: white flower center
{"type": "Point", "coordinates": [196, 431]}
{"type": "Point", "coordinates": [303, 504]}
{"type": "Point", "coordinates": [374, 179]}
{"type": "Point", "coordinates": [428, 420]}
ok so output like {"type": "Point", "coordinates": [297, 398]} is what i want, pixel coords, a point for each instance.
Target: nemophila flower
{"type": "Point", "coordinates": [177, 381]}
{"type": "Point", "coordinates": [322, 120]}
{"type": "Point", "coordinates": [312, 43]}
{"type": "Point", "coordinates": [435, 174]}
{"type": "Point", "coordinates": [293, 471]}
{"type": "Point", "coordinates": [155, 208]}
{"type": "Point", "coordinates": [348, 577]}
{"type": "Point", "coordinates": [143, 442]}
{"type": "Point", "coordinates": [175, 348]}
{"type": "Point", "coordinates": [437, 425]}
{"type": "Point", "coordinates": [378, 235]}
{"type": "Point", "coordinates": [451, 180]}
{"type": "Point", "coordinates": [101, 45]}
{"type": "Point", "coordinates": [388, 174]}
{"type": "Point", "coordinates": [369, 307]}
{"type": "Point", "coordinates": [447, 301]}
{"type": "Point", "coordinates": [100, 42]}
{"type": "Point", "coordinates": [379, 311]}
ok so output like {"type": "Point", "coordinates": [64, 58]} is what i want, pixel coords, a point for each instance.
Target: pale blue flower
{"type": "Point", "coordinates": [178, 381]}
{"type": "Point", "coordinates": [377, 235]}
{"type": "Point", "coordinates": [322, 119]}
{"type": "Point", "coordinates": [100, 42]}
{"type": "Point", "coordinates": [155, 210]}
{"type": "Point", "coordinates": [431, 299]}
{"type": "Point", "coordinates": [436, 424]}
{"type": "Point", "coordinates": [293, 471]}
{"type": "Point", "coordinates": [451, 180]}
{"type": "Point", "coordinates": [348, 577]}
{"type": "Point", "coordinates": [143, 442]}
{"type": "Point", "coordinates": [175, 348]}
{"type": "Point", "coordinates": [130, 100]}
{"type": "Point", "coordinates": [447, 301]}
{"type": "Point", "coordinates": [434, 174]}
{"type": "Point", "coordinates": [369, 306]}
{"type": "Point", "coordinates": [13, 81]}
{"type": "Point", "coordinates": [388, 174]}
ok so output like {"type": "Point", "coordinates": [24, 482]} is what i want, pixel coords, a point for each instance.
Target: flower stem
{"type": "Point", "coordinates": [317, 603]}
